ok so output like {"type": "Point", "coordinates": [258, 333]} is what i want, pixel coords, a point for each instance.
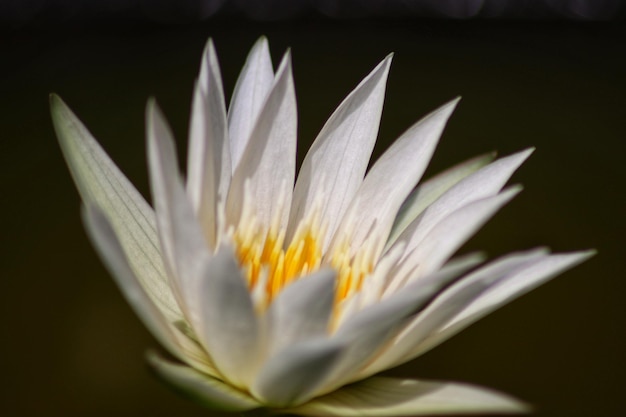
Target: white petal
{"type": "Point", "coordinates": [302, 310]}
{"type": "Point", "coordinates": [486, 182]}
{"type": "Point", "coordinates": [293, 376]}
{"type": "Point", "coordinates": [449, 235]}
{"type": "Point", "coordinates": [429, 191]}
{"type": "Point", "coordinates": [182, 241]}
{"type": "Point", "coordinates": [451, 270]}
{"type": "Point", "coordinates": [268, 162]}
{"type": "Point", "coordinates": [101, 183]}
{"type": "Point", "coordinates": [208, 391]}
{"type": "Point", "coordinates": [447, 305]}
{"type": "Point", "coordinates": [393, 176]}
{"type": "Point", "coordinates": [370, 329]}
{"type": "Point", "coordinates": [103, 236]}
{"type": "Point", "coordinates": [336, 162]}
{"type": "Point", "coordinates": [230, 328]}
{"type": "Point", "coordinates": [104, 239]}
{"type": "Point", "coordinates": [403, 397]}
{"type": "Point", "coordinates": [251, 90]}
{"type": "Point", "coordinates": [503, 292]}
{"type": "Point", "coordinates": [208, 162]}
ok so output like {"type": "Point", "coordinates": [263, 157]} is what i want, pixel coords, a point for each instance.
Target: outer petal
{"type": "Point", "coordinates": [230, 328]}
{"type": "Point", "coordinates": [182, 241]}
{"type": "Point", "coordinates": [501, 293]}
{"type": "Point", "coordinates": [208, 166]}
{"type": "Point", "coordinates": [251, 90]}
{"type": "Point", "coordinates": [484, 183]}
{"type": "Point", "coordinates": [336, 162]}
{"type": "Point", "coordinates": [268, 162]}
{"type": "Point", "coordinates": [402, 397]}
{"type": "Point", "coordinates": [369, 330]}
{"type": "Point", "coordinates": [446, 305]}
{"type": "Point", "coordinates": [302, 310]}
{"type": "Point", "coordinates": [429, 191]}
{"type": "Point", "coordinates": [374, 208]}
{"type": "Point", "coordinates": [208, 391]}
{"type": "Point", "coordinates": [100, 182]}
{"type": "Point", "coordinates": [109, 247]}
{"type": "Point", "coordinates": [448, 235]}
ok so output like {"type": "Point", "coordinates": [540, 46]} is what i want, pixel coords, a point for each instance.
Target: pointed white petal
{"type": "Point", "coordinates": [449, 235]}
{"type": "Point", "coordinates": [101, 183]}
{"type": "Point", "coordinates": [104, 239]}
{"type": "Point", "coordinates": [204, 389]}
{"type": "Point", "coordinates": [208, 166]}
{"type": "Point", "coordinates": [451, 270]}
{"type": "Point", "coordinates": [302, 310]}
{"type": "Point", "coordinates": [178, 344]}
{"type": "Point", "coordinates": [369, 330]}
{"type": "Point", "coordinates": [403, 397]}
{"type": "Point", "coordinates": [292, 376]}
{"type": "Point", "coordinates": [268, 162]}
{"type": "Point", "coordinates": [447, 305]}
{"type": "Point", "coordinates": [251, 90]}
{"type": "Point", "coordinates": [501, 293]}
{"type": "Point", "coordinates": [181, 237]}
{"type": "Point", "coordinates": [429, 191]}
{"type": "Point", "coordinates": [230, 328]}
{"type": "Point", "coordinates": [336, 162]}
{"type": "Point", "coordinates": [374, 208]}
{"type": "Point", "coordinates": [486, 182]}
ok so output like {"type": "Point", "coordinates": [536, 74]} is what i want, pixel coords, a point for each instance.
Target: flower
{"type": "Point", "coordinates": [289, 297]}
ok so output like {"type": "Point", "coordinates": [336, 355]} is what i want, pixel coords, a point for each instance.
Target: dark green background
{"type": "Point", "coordinates": [72, 347]}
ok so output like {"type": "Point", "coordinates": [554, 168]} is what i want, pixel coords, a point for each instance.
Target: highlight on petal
{"type": "Point", "coordinates": [204, 389]}
{"type": "Point", "coordinates": [335, 165]}
{"type": "Point", "coordinates": [380, 396]}
{"type": "Point", "coordinates": [209, 160]}
{"type": "Point", "coordinates": [253, 86]}
{"type": "Point", "coordinates": [100, 182]}
{"type": "Point", "coordinates": [389, 181]}
{"type": "Point", "coordinates": [268, 163]}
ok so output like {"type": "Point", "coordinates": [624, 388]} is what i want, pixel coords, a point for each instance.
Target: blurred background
{"type": "Point", "coordinates": [550, 74]}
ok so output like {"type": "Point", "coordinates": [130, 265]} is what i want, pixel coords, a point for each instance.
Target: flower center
{"type": "Point", "coordinates": [270, 265]}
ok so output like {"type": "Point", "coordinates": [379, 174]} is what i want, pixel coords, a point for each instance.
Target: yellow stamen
{"type": "Point", "coordinates": [260, 252]}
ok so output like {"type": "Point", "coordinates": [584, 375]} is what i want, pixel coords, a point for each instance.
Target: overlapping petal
{"type": "Point", "coordinates": [268, 162]}
{"type": "Point", "coordinates": [335, 165]}
{"type": "Point", "coordinates": [101, 183]}
{"type": "Point", "coordinates": [209, 155]}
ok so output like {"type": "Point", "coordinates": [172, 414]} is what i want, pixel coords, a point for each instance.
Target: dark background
{"type": "Point", "coordinates": [72, 347]}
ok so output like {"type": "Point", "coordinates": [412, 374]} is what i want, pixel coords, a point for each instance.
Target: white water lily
{"type": "Point", "coordinates": [291, 298]}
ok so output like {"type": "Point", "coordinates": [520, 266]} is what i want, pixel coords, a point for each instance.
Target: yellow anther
{"type": "Point", "coordinates": [265, 253]}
